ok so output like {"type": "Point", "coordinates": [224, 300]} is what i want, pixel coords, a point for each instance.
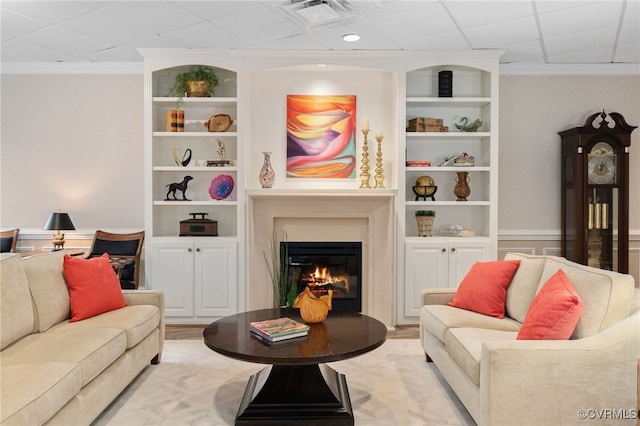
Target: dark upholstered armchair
{"type": "Point", "coordinates": [124, 252]}
{"type": "Point", "coordinates": [9, 240]}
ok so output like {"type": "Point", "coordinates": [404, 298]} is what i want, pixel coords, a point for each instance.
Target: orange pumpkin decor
{"type": "Point", "coordinates": [313, 309]}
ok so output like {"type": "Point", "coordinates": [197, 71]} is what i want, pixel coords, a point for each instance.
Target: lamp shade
{"type": "Point", "coordinates": [59, 221]}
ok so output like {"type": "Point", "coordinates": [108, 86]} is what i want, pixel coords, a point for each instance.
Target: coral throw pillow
{"type": "Point", "coordinates": [554, 312]}
{"type": "Point", "coordinates": [484, 288]}
{"type": "Point", "coordinates": [93, 285]}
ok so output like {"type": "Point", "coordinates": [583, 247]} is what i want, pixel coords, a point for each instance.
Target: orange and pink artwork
{"type": "Point", "coordinates": [321, 132]}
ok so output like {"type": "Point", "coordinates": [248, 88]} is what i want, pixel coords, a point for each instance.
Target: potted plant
{"type": "Point", "coordinates": [277, 263]}
{"type": "Point", "coordinates": [424, 219]}
{"type": "Point", "coordinates": [197, 82]}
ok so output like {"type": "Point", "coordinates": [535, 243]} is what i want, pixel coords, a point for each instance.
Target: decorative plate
{"type": "Point", "coordinates": [221, 187]}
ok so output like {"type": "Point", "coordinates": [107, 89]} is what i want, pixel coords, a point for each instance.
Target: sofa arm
{"type": "Point", "coordinates": [149, 297]}
{"type": "Point", "coordinates": [437, 296]}
{"type": "Point", "coordinates": [550, 381]}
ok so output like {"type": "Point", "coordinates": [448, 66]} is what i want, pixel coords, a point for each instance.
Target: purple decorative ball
{"type": "Point", "coordinates": [221, 187]}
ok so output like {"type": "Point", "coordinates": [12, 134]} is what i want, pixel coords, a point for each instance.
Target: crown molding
{"type": "Point", "coordinates": [138, 68]}
{"type": "Point", "coordinates": [570, 69]}
{"type": "Point", "coordinates": [73, 68]}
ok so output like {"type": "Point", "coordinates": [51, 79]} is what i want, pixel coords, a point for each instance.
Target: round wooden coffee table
{"type": "Point", "coordinates": [297, 386]}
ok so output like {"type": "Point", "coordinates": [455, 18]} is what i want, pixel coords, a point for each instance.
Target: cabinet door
{"type": "Point", "coordinates": [216, 284]}
{"type": "Point", "coordinates": [462, 255]}
{"type": "Point", "coordinates": [426, 266]}
{"type": "Point", "coordinates": [172, 272]}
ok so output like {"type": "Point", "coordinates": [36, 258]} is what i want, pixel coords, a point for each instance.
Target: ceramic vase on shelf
{"type": "Point", "coordinates": [267, 175]}
{"type": "Point", "coordinates": [425, 225]}
{"type": "Point", "coordinates": [462, 190]}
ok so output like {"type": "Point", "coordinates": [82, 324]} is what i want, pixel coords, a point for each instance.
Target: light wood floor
{"type": "Point", "coordinates": [191, 332]}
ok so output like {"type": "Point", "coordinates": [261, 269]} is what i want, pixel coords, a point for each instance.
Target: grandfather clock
{"type": "Point", "coordinates": [595, 192]}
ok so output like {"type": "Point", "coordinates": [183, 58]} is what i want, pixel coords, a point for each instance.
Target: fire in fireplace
{"type": "Point", "coordinates": [324, 266]}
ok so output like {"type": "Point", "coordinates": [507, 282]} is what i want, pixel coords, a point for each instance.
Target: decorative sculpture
{"type": "Point", "coordinates": [464, 126]}
{"type": "Point", "coordinates": [313, 309]}
{"type": "Point", "coordinates": [178, 186]}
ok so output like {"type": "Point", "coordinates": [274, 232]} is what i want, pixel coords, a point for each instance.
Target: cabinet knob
{"type": "Point", "coordinates": [444, 249]}
{"type": "Point", "coordinates": [189, 250]}
{"type": "Point", "coordinates": [198, 249]}
{"type": "Point", "coordinates": [453, 249]}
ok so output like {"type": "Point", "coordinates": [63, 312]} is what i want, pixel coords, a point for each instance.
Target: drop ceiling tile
{"type": "Point", "coordinates": [65, 41]}
{"type": "Point", "coordinates": [154, 16]}
{"type": "Point", "coordinates": [581, 42]}
{"type": "Point", "coordinates": [632, 12]}
{"type": "Point", "coordinates": [580, 19]}
{"type": "Point", "coordinates": [527, 52]}
{"type": "Point", "coordinates": [22, 51]}
{"type": "Point", "coordinates": [627, 53]}
{"type": "Point", "coordinates": [448, 40]}
{"type": "Point", "coordinates": [108, 29]}
{"type": "Point", "coordinates": [15, 24]}
{"type": "Point", "coordinates": [203, 36]}
{"type": "Point", "coordinates": [129, 52]}
{"type": "Point", "coordinates": [500, 33]}
{"type": "Point", "coordinates": [630, 34]}
{"type": "Point", "coordinates": [216, 9]}
{"type": "Point", "coordinates": [415, 22]}
{"type": "Point", "coordinates": [257, 25]}
{"type": "Point", "coordinates": [296, 42]}
{"type": "Point", "coordinates": [370, 36]}
{"type": "Point", "coordinates": [50, 12]}
{"type": "Point", "coordinates": [584, 57]}
{"type": "Point", "coordinates": [375, 8]}
{"type": "Point", "coordinates": [473, 13]}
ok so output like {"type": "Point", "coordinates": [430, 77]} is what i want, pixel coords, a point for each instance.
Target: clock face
{"type": "Point", "coordinates": [602, 164]}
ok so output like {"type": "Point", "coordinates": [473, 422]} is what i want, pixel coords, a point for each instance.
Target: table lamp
{"type": "Point", "coordinates": [58, 221]}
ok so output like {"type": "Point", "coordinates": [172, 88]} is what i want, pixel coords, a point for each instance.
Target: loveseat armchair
{"type": "Point", "coordinates": [505, 381]}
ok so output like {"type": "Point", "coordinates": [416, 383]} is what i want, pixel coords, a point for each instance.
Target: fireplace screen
{"type": "Point", "coordinates": [322, 266]}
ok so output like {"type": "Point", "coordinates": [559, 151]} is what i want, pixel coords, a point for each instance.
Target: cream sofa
{"type": "Point", "coordinates": [504, 381]}
{"type": "Point", "coordinates": [57, 372]}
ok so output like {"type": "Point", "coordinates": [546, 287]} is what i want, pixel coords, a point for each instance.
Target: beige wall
{"type": "Point", "coordinates": [75, 142]}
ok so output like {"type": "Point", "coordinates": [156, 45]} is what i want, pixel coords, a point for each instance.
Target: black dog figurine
{"type": "Point", "coordinates": [179, 186]}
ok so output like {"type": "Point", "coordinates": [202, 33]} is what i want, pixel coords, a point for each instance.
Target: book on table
{"type": "Point", "coordinates": [278, 329]}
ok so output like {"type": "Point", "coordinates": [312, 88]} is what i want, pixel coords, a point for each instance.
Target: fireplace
{"type": "Point", "coordinates": [324, 266]}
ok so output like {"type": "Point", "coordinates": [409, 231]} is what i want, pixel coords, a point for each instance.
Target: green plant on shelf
{"type": "Point", "coordinates": [425, 212]}
{"type": "Point", "coordinates": [195, 74]}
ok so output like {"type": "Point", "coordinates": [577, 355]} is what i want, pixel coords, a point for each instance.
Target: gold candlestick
{"type": "Point", "coordinates": [364, 167]}
{"type": "Point", "coordinates": [379, 177]}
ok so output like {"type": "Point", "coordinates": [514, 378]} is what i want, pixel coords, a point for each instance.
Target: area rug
{"type": "Point", "coordinates": [392, 385]}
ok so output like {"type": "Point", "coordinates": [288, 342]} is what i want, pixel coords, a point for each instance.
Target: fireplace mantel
{"type": "Point", "coordinates": [326, 215]}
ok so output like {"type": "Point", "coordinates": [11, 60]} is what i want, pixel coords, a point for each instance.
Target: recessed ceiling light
{"type": "Point", "coordinates": [351, 37]}
{"type": "Point", "coordinates": [321, 65]}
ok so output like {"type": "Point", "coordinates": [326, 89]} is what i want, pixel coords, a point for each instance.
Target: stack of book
{"type": "Point", "coordinates": [279, 329]}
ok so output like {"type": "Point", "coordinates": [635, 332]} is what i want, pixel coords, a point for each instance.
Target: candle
{"type": "Point", "coordinates": [379, 134]}
{"type": "Point", "coordinates": [365, 124]}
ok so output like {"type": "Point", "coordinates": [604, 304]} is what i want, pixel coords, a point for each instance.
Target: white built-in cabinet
{"type": "Point", "coordinates": [442, 261]}
{"type": "Point", "coordinates": [206, 271]}
{"type": "Point", "coordinates": [198, 274]}
{"type": "Point", "coordinates": [437, 263]}
{"type": "Point", "coordinates": [205, 278]}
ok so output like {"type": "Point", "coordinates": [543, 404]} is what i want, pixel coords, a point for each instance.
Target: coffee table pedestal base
{"type": "Point", "coordinates": [296, 394]}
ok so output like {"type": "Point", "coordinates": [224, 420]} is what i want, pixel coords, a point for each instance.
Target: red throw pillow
{"type": "Point", "coordinates": [93, 285]}
{"type": "Point", "coordinates": [554, 312]}
{"type": "Point", "coordinates": [484, 288]}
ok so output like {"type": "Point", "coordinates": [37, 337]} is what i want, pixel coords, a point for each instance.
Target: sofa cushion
{"type": "Point", "coordinates": [94, 287]}
{"type": "Point", "coordinates": [484, 288]}
{"type": "Point", "coordinates": [92, 350]}
{"type": "Point", "coordinates": [524, 284]}
{"type": "Point", "coordinates": [16, 310]}
{"type": "Point", "coordinates": [554, 312]}
{"type": "Point", "coordinates": [38, 391]}
{"type": "Point", "coordinates": [137, 322]}
{"type": "Point", "coordinates": [437, 319]}
{"type": "Point", "coordinates": [48, 289]}
{"type": "Point", "coordinates": [464, 345]}
{"type": "Point", "coordinates": [606, 295]}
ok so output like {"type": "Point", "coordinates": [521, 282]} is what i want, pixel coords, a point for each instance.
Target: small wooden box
{"type": "Point", "coordinates": [198, 226]}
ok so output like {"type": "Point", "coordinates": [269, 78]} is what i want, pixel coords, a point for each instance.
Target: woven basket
{"type": "Point", "coordinates": [425, 225]}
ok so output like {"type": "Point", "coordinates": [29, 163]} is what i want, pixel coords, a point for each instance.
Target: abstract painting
{"type": "Point", "coordinates": [321, 132]}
